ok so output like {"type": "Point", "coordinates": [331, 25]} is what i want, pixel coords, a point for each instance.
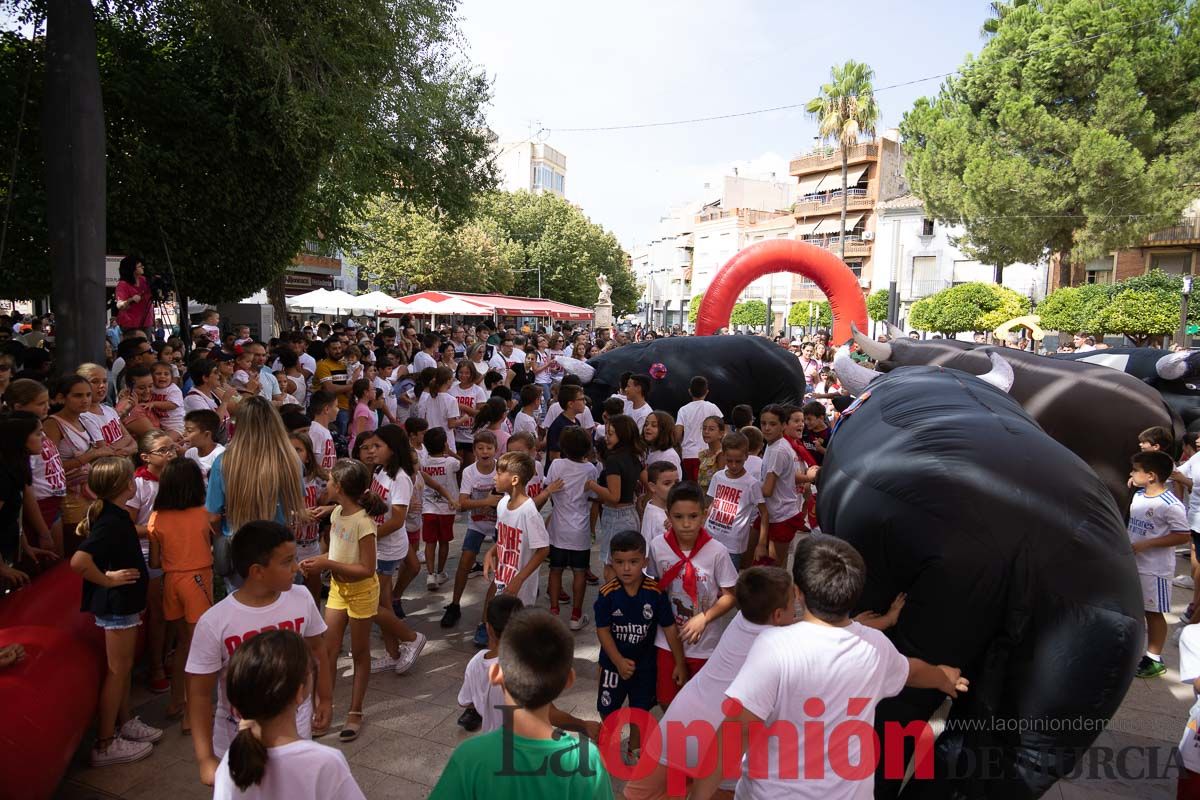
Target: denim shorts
{"type": "Point", "coordinates": [613, 521]}
{"type": "Point", "coordinates": [389, 568]}
{"type": "Point", "coordinates": [119, 622]}
{"type": "Point", "coordinates": [472, 541]}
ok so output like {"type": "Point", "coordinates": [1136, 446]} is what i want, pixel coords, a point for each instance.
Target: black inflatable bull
{"type": "Point", "coordinates": [1176, 376]}
{"type": "Point", "coordinates": [740, 369]}
{"type": "Point", "coordinates": [1016, 565]}
{"type": "Point", "coordinates": [1095, 412]}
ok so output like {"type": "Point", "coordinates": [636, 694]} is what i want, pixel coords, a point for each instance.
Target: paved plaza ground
{"type": "Point", "coordinates": [410, 728]}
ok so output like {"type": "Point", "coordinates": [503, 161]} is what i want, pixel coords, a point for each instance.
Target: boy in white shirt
{"type": "Point", "coordinates": [660, 477]}
{"type": "Point", "coordinates": [689, 426]}
{"type": "Point", "coordinates": [826, 655]}
{"type": "Point", "coordinates": [264, 555]}
{"type": "Point", "coordinates": [765, 600]}
{"type": "Point", "coordinates": [778, 487]}
{"type": "Point", "coordinates": [1157, 525]}
{"type": "Point", "coordinates": [324, 410]}
{"type": "Point", "coordinates": [569, 529]}
{"type": "Point", "coordinates": [698, 576]}
{"type": "Point", "coordinates": [478, 497]}
{"type": "Point", "coordinates": [439, 504]}
{"type": "Point", "coordinates": [736, 501]}
{"type": "Point", "coordinates": [199, 429]}
{"type": "Point", "coordinates": [637, 389]}
{"type": "Point", "coordinates": [1189, 745]}
{"type": "Point", "coordinates": [522, 543]}
{"type": "Point", "coordinates": [482, 701]}
{"type": "Point", "coordinates": [526, 420]}
{"type": "Point", "coordinates": [754, 440]}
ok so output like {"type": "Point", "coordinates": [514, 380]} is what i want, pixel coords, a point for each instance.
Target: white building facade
{"type": "Point", "coordinates": [920, 255]}
{"type": "Point", "coordinates": [532, 167]}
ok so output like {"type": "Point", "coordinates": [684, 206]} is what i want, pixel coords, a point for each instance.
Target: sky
{"type": "Point", "coordinates": [573, 65]}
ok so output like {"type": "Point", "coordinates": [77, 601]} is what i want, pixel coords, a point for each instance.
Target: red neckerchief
{"type": "Point", "coordinates": [144, 472]}
{"type": "Point", "coordinates": [684, 564]}
{"type": "Point", "coordinates": [801, 451]}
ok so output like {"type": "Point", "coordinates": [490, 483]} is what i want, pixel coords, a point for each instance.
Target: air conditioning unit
{"type": "Point", "coordinates": [868, 236]}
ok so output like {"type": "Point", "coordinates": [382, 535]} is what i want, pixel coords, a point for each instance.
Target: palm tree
{"type": "Point", "coordinates": [998, 10]}
{"type": "Point", "coordinates": [845, 110]}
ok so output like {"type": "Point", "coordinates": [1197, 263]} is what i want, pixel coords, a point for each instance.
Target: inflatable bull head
{"type": "Point", "coordinates": [1175, 376]}
{"type": "Point", "coordinates": [1015, 561]}
{"type": "Point", "coordinates": [1073, 401]}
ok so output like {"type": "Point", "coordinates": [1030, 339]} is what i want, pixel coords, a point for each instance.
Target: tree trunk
{"type": "Point", "coordinates": [845, 157]}
{"type": "Point", "coordinates": [73, 139]}
{"type": "Point", "coordinates": [278, 300]}
{"type": "Point", "coordinates": [1064, 267]}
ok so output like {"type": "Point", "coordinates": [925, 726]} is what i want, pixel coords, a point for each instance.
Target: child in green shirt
{"type": "Point", "coordinates": [528, 758]}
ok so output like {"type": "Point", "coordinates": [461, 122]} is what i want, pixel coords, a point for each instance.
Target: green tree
{"type": "Point", "coordinates": [877, 305]}
{"type": "Point", "coordinates": [1075, 309]}
{"type": "Point", "coordinates": [236, 132]}
{"type": "Point", "coordinates": [1140, 314]}
{"type": "Point", "coordinates": [694, 308]}
{"type": "Point", "coordinates": [1000, 10]}
{"type": "Point", "coordinates": [1074, 131]}
{"type": "Point", "coordinates": [845, 109]}
{"type": "Point", "coordinates": [570, 250]}
{"type": "Point", "coordinates": [397, 242]}
{"type": "Point", "coordinates": [967, 307]}
{"type": "Point", "coordinates": [800, 314]}
{"type": "Point", "coordinates": [750, 312]}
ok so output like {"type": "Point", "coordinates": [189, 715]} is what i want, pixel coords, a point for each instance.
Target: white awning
{"type": "Point", "coordinates": [809, 185]}
{"type": "Point", "coordinates": [853, 176]}
{"type": "Point", "coordinates": [806, 229]}
{"type": "Point", "coordinates": [830, 181]}
{"type": "Point", "coordinates": [827, 225]}
{"type": "Point", "coordinates": [852, 221]}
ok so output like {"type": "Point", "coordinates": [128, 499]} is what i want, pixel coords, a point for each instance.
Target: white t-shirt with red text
{"type": "Point", "coordinates": [714, 572]}
{"type": "Point", "coordinates": [519, 532]}
{"type": "Point", "coordinates": [106, 425]}
{"type": "Point", "coordinates": [444, 470]}
{"type": "Point", "coordinates": [395, 491]}
{"type": "Point", "coordinates": [734, 506]}
{"type": "Point", "coordinates": [171, 420]}
{"type": "Point", "coordinates": [309, 533]}
{"type": "Point", "coordinates": [322, 441]}
{"type": "Point", "coordinates": [49, 477]}
{"type": "Point", "coordinates": [780, 460]}
{"type": "Point", "coordinates": [472, 397]}
{"type": "Point", "coordinates": [224, 627]}
{"type": "Point", "coordinates": [478, 486]}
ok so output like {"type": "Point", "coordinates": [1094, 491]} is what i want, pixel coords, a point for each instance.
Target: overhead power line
{"type": "Point", "coordinates": [788, 107]}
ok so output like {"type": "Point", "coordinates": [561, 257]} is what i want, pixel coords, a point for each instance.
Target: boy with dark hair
{"type": "Point", "coordinates": [630, 609]}
{"type": "Point", "coordinates": [526, 419]}
{"type": "Point", "coordinates": [825, 655]}
{"type": "Point", "coordinates": [569, 528]}
{"type": "Point", "coordinates": [736, 503]}
{"type": "Point", "coordinates": [533, 668]}
{"type": "Point", "coordinates": [637, 391]}
{"type": "Point", "coordinates": [815, 436]}
{"type": "Point", "coordinates": [323, 408]}
{"type": "Point", "coordinates": [1157, 525]}
{"type": "Point", "coordinates": [484, 703]}
{"type": "Point", "coordinates": [199, 434]}
{"type": "Point", "coordinates": [573, 403]}
{"type": "Point", "coordinates": [478, 497]}
{"type": "Point", "coordinates": [689, 426]}
{"type": "Point", "coordinates": [741, 416]}
{"type": "Point", "coordinates": [264, 555]}
{"type": "Point", "coordinates": [698, 576]}
{"type": "Point", "coordinates": [660, 477]}
{"type": "Point", "coordinates": [1156, 438]}
{"type": "Point", "coordinates": [765, 600]}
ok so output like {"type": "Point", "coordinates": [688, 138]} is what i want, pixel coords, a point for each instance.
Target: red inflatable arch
{"type": "Point", "coordinates": [820, 266]}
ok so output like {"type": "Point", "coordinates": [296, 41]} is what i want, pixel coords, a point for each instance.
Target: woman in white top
{"type": "Point", "coordinates": [77, 447]}
{"type": "Point", "coordinates": [269, 676]}
{"type": "Point", "coordinates": [543, 367]}
{"type": "Point", "coordinates": [475, 357]}
{"type": "Point", "coordinates": [206, 391]}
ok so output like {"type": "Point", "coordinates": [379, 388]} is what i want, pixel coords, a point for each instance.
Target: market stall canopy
{"type": "Point", "coordinates": [376, 301]}
{"type": "Point", "coordinates": [308, 299]}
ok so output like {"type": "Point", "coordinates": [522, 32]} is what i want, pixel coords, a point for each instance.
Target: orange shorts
{"type": "Point", "coordinates": [187, 595]}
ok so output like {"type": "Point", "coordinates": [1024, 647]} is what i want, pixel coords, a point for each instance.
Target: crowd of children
{"type": "Point", "coordinates": [687, 526]}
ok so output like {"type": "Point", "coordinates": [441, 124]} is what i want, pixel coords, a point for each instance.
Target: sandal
{"type": "Point", "coordinates": [350, 729]}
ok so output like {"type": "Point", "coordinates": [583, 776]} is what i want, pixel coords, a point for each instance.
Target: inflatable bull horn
{"type": "Point", "coordinates": [855, 378]}
{"type": "Point", "coordinates": [580, 369]}
{"type": "Point", "coordinates": [1173, 366]}
{"type": "Point", "coordinates": [894, 331]}
{"type": "Point", "coordinates": [877, 351]}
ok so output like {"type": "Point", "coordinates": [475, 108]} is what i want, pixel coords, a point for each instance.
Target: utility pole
{"type": "Point", "coordinates": [1183, 310]}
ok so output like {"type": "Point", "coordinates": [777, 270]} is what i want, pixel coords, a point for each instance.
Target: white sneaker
{"type": "Point", "coordinates": [135, 730]}
{"type": "Point", "coordinates": [1184, 582]}
{"type": "Point", "coordinates": [410, 652]}
{"type": "Point", "coordinates": [431, 583]}
{"type": "Point", "coordinates": [578, 624]}
{"type": "Point", "coordinates": [421, 556]}
{"type": "Point", "coordinates": [383, 663]}
{"type": "Point", "coordinates": [121, 751]}
{"type": "Point", "coordinates": [443, 578]}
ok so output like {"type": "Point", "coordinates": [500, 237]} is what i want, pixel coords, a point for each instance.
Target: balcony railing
{"type": "Point", "coordinates": [854, 243]}
{"type": "Point", "coordinates": [1188, 230]}
{"type": "Point", "coordinates": [856, 198]}
{"type": "Point", "coordinates": [824, 156]}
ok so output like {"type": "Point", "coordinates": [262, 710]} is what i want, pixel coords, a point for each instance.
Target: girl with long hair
{"type": "Point", "coordinates": [354, 587]}
{"type": "Point", "coordinates": [44, 499]}
{"type": "Point", "coordinates": [269, 677]}
{"type": "Point", "coordinates": [20, 439]}
{"type": "Point", "coordinates": [135, 309]}
{"type": "Point", "coordinates": [658, 432]}
{"type": "Point", "coordinates": [77, 447]}
{"type": "Point", "coordinates": [258, 475]}
{"type": "Point", "coordinates": [492, 417]}
{"type": "Point", "coordinates": [622, 469]}
{"type": "Point", "coordinates": [388, 452]}
{"type": "Point", "coordinates": [102, 420]}
{"type": "Point", "coordinates": [114, 590]}
{"type": "Point", "coordinates": [470, 395]}
{"type": "Point", "coordinates": [316, 503]}
{"type": "Point", "coordinates": [364, 419]}
{"type": "Point", "coordinates": [437, 406]}
{"type": "Point", "coordinates": [155, 451]}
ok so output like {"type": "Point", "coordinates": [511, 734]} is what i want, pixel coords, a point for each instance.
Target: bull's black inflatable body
{"type": "Point", "coordinates": [1179, 387]}
{"type": "Point", "coordinates": [740, 369]}
{"type": "Point", "coordinates": [1016, 565]}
